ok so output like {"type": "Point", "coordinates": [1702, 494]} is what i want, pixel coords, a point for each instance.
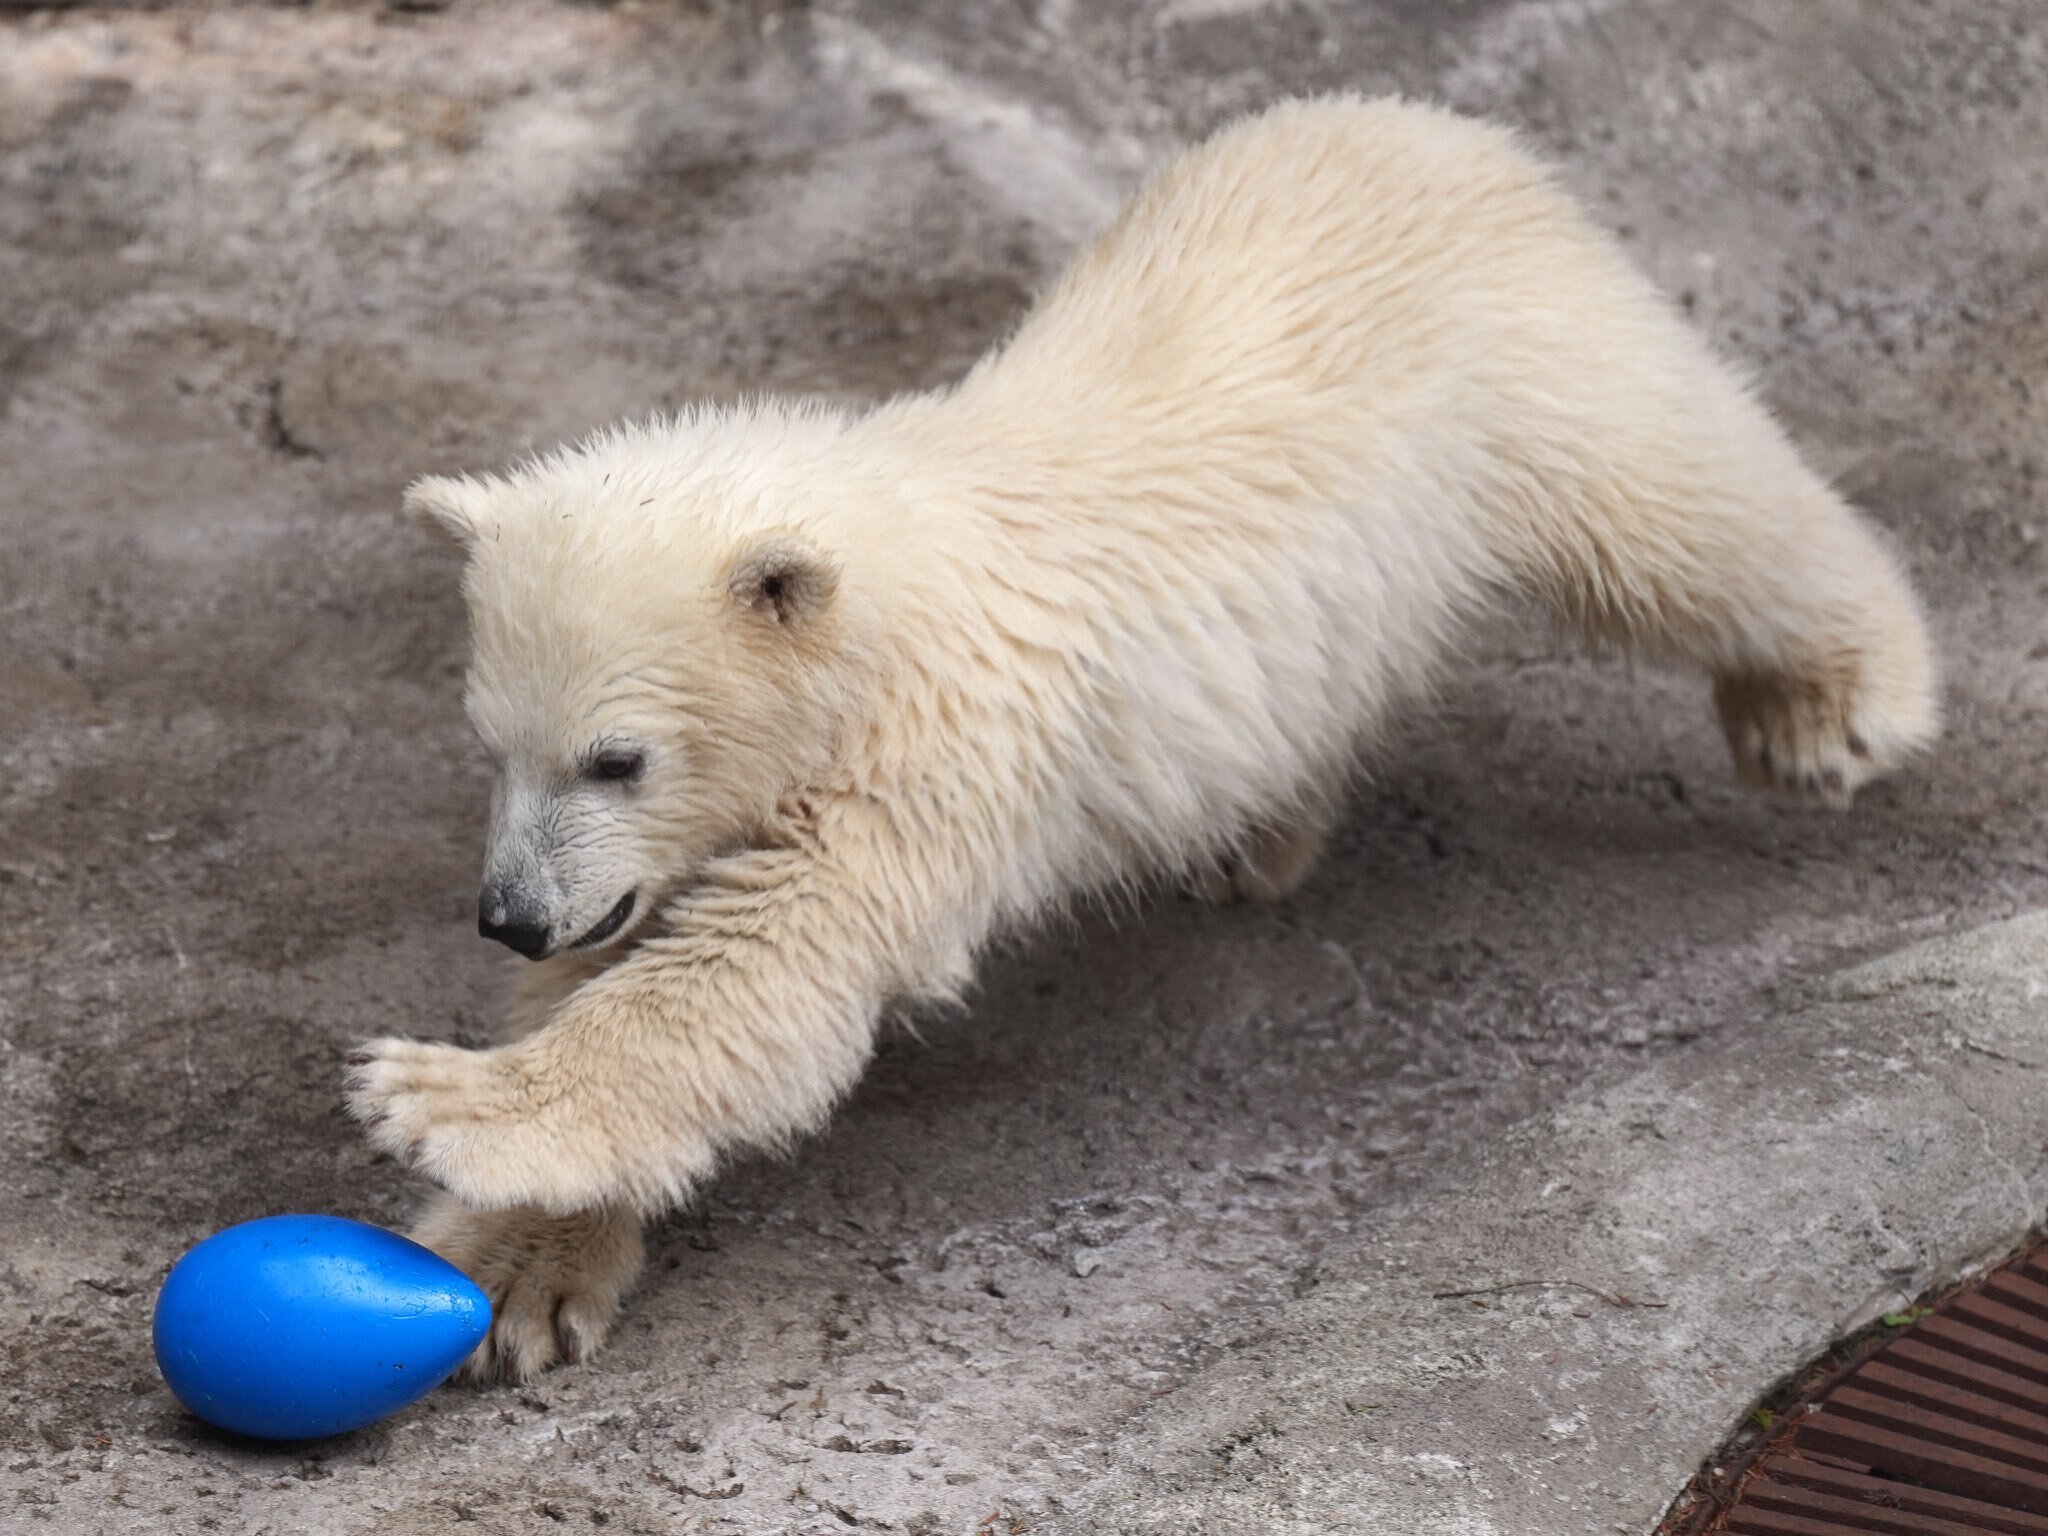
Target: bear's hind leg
{"type": "Point", "coordinates": [1826, 679]}
{"type": "Point", "coordinates": [1275, 856]}
{"type": "Point", "coordinates": [1823, 672]}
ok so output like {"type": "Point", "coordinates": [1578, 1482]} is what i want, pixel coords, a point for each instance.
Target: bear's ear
{"type": "Point", "coordinates": [454, 507]}
{"type": "Point", "coordinates": [785, 580]}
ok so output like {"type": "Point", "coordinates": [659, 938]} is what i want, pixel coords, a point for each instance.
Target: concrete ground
{"type": "Point", "coordinates": [1548, 1335]}
{"type": "Point", "coordinates": [258, 266]}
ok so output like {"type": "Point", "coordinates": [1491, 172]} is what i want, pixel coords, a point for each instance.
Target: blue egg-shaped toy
{"type": "Point", "coordinates": [297, 1326]}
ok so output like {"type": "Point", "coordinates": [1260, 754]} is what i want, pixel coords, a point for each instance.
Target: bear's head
{"type": "Point", "coordinates": [660, 653]}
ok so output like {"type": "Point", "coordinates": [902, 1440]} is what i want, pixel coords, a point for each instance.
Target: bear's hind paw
{"type": "Point", "coordinates": [1815, 740]}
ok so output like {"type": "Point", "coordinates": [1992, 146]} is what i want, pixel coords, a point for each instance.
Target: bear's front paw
{"type": "Point", "coordinates": [555, 1282]}
{"type": "Point", "coordinates": [478, 1123]}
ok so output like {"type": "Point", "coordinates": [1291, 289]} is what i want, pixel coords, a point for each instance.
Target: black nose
{"type": "Point", "coordinates": [512, 924]}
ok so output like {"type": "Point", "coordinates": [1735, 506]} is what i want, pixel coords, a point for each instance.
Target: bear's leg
{"type": "Point", "coordinates": [555, 1282]}
{"type": "Point", "coordinates": [1823, 672]}
{"type": "Point", "coordinates": [738, 1027]}
{"type": "Point", "coordinates": [1832, 679]}
{"type": "Point", "coordinates": [1276, 856]}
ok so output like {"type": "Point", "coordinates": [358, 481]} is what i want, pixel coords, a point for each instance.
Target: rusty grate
{"type": "Point", "coordinates": [1937, 1430]}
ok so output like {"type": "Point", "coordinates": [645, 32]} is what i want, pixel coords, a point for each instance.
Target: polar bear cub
{"type": "Point", "coordinates": [793, 707]}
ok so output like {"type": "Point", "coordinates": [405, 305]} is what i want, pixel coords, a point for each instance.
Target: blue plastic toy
{"type": "Point", "coordinates": [297, 1326]}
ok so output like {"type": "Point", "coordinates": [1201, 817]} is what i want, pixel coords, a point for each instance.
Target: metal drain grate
{"type": "Point", "coordinates": [1942, 1431]}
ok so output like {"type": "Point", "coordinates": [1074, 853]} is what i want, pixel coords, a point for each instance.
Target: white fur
{"type": "Point", "coordinates": [1128, 601]}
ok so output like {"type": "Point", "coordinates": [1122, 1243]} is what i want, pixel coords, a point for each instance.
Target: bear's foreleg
{"type": "Point", "coordinates": [739, 1027]}
{"type": "Point", "coordinates": [555, 1282]}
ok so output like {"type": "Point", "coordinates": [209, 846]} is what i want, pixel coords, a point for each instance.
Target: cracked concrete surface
{"type": "Point", "coordinates": [263, 264]}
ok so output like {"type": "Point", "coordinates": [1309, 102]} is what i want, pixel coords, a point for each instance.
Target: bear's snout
{"type": "Point", "coordinates": [502, 914]}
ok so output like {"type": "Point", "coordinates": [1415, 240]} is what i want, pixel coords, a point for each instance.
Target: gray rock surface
{"type": "Point", "coordinates": [259, 265]}
{"type": "Point", "coordinates": [1554, 1332]}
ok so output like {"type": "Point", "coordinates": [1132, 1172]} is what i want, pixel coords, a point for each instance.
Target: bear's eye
{"type": "Point", "coordinates": [616, 767]}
